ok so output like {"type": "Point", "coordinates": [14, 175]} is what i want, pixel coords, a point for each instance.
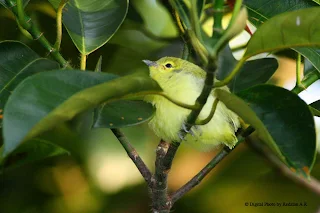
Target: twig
{"type": "Point", "coordinates": [199, 177]}
{"type": "Point", "coordinates": [207, 169]}
{"type": "Point", "coordinates": [132, 153]}
{"type": "Point", "coordinates": [167, 160]}
{"type": "Point", "coordinates": [312, 184]}
{"type": "Point", "coordinates": [36, 34]}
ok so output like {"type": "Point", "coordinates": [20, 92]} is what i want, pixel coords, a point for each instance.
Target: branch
{"type": "Point", "coordinates": [207, 169]}
{"type": "Point", "coordinates": [312, 184]}
{"type": "Point", "coordinates": [132, 153]}
{"type": "Point", "coordinates": [202, 174]}
{"type": "Point", "coordinates": [159, 181]}
{"type": "Point", "coordinates": [36, 34]}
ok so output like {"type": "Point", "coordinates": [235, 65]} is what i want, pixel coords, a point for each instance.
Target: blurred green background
{"type": "Point", "coordinates": [109, 181]}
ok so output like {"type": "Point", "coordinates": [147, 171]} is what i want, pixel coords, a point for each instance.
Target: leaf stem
{"type": "Point", "coordinates": [38, 35]}
{"type": "Point", "coordinates": [179, 23]}
{"type": "Point", "coordinates": [298, 71]}
{"type": "Point", "coordinates": [59, 24]}
{"type": "Point", "coordinates": [208, 119]}
{"type": "Point", "coordinates": [224, 37]}
{"type": "Point", "coordinates": [309, 79]}
{"type": "Point", "coordinates": [176, 102]}
{"type": "Point", "coordinates": [21, 16]}
{"type": "Point", "coordinates": [231, 75]}
{"type": "Point", "coordinates": [83, 62]}
{"type": "Point", "coordinates": [195, 20]}
{"type": "Point", "coordinates": [218, 8]}
{"type": "Point", "coordinates": [133, 154]}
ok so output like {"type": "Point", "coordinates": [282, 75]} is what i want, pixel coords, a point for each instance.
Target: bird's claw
{"type": "Point", "coordinates": [181, 135]}
{"type": "Point", "coordinates": [184, 128]}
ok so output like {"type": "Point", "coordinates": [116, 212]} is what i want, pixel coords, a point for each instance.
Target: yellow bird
{"type": "Point", "coordinates": [183, 81]}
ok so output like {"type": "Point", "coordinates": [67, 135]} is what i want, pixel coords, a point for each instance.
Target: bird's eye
{"type": "Point", "coordinates": [168, 65]}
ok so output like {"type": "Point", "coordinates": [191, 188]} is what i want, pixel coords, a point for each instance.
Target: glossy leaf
{"type": "Point", "coordinates": [283, 121]}
{"type": "Point", "coordinates": [251, 73]}
{"type": "Point", "coordinates": [293, 29]}
{"type": "Point", "coordinates": [261, 10]}
{"type": "Point", "coordinates": [258, 15]}
{"type": "Point", "coordinates": [307, 67]}
{"type": "Point", "coordinates": [123, 113]}
{"type": "Point", "coordinates": [313, 56]}
{"type": "Point", "coordinates": [226, 63]}
{"type": "Point", "coordinates": [51, 98]}
{"type": "Point", "coordinates": [91, 25]}
{"type": "Point", "coordinates": [17, 62]}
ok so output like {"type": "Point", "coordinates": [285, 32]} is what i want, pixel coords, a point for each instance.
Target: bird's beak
{"type": "Point", "coordinates": [150, 63]}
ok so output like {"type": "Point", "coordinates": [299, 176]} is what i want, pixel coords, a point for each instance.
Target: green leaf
{"type": "Point", "coordinates": [261, 10]}
{"type": "Point", "coordinates": [90, 26]}
{"type": "Point", "coordinates": [313, 56]}
{"type": "Point", "coordinates": [48, 99]}
{"type": "Point", "coordinates": [281, 119]}
{"type": "Point", "coordinates": [292, 29]}
{"type": "Point", "coordinates": [34, 150]}
{"type": "Point", "coordinates": [17, 62]}
{"type": "Point", "coordinates": [258, 15]}
{"type": "Point", "coordinates": [123, 113]}
{"type": "Point", "coordinates": [226, 63]}
{"type": "Point", "coordinates": [251, 73]}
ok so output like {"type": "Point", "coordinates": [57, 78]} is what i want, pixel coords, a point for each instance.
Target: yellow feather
{"type": "Point", "coordinates": [183, 81]}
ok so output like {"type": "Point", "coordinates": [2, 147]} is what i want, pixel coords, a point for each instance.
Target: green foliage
{"type": "Point", "coordinates": [280, 29]}
{"type": "Point", "coordinates": [12, 73]}
{"type": "Point", "coordinates": [122, 113]}
{"type": "Point", "coordinates": [60, 96]}
{"type": "Point", "coordinates": [272, 116]}
{"type": "Point", "coordinates": [90, 26]}
{"type": "Point", "coordinates": [252, 72]}
{"type": "Point", "coordinates": [47, 110]}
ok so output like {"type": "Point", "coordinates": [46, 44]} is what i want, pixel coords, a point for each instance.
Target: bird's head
{"type": "Point", "coordinates": [167, 67]}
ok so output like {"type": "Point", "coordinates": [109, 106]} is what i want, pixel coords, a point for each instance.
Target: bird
{"type": "Point", "coordinates": [183, 81]}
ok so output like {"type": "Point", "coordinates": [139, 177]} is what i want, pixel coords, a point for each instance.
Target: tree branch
{"type": "Point", "coordinates": [207, 169]}
{"type": "Point", "coordinates": [132, 153]}
{"type": "Point", "coordinates": [202, 174]}
{"type": "Point", "coordinates": [159, 181]}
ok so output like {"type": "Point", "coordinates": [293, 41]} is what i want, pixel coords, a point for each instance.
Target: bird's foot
{"type": "Point", "coordinates": [190, 131]}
